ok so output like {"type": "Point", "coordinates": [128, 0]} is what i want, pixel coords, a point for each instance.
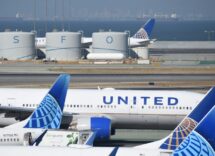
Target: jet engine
{"type": "Point", "coordinates": [100, 125]}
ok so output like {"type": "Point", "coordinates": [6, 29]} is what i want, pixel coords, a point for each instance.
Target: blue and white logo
{"type": "Point", "coordinates": [194, 145]}
{"type": "Point", "coordinates": [47, 116]}
{"type": "Point", "coordinates": [109, 39]}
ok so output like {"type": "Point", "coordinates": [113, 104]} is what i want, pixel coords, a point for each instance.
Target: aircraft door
{"type": "Point", "coordinates": [11, 102]}
{"type": "Point", "coordinates": [133, 107]}
{"type": "Point", "coordinates": [27, 139]}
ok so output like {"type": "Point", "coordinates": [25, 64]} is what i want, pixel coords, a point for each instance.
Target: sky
{"type": "Point", "coordinates": [107, 8]}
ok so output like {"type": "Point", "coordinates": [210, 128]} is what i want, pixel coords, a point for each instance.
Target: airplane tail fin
{"type": "Point", "coordinates": [189, 122]}
{"type": "Point", "coordinates": [91, 139]}
{"type": "Point", "coordinates": [145, 31]}
{"type": "Point", "coordinates": [200, 141]}
{"type": "Point", "coordinates": [49, 113]}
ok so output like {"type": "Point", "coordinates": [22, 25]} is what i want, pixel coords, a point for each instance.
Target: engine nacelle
{"type": "Point", "coordinates": [100, 125]}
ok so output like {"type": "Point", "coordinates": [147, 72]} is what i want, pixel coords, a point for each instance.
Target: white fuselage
{"type": "Point", "coordinates": [57, 138]}
{"type": "Point", "coordinates": [104, 151]}
{"type": "Point", "coordinates": [18, 136]}
{"type": "Point", "coordinates": [125, 108]}
{"type": "Point", "coordinates": [40, 42]}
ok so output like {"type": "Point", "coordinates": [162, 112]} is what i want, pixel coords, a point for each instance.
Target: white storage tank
{"type": "Point", "coordinates": [109, 45]}
{"type": "Point", "coordinates": [63, 46]}
{"type": "Point", "coordinates": [17, 45]}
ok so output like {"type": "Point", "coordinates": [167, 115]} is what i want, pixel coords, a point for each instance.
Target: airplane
{"type": "Point", "coordinates": [140, 39]}
{"type": "Point", "coordinates": [47, 115]}
{"type": "Point", "coordinates": [194, 136]}
{"type": "Point", "coordinates": [106, 109]}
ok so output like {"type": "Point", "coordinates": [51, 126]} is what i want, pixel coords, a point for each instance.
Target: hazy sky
{"type": "Point", "coordinates": [105, 7]}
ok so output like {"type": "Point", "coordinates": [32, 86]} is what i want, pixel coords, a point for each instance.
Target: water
{"type": "Point", "coordinates": [169, 30]}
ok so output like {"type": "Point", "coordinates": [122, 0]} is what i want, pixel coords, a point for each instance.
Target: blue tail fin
{"type": "Point", "coordinates": [190, 122]}
{"type": "Point", "coordinates": [145, 31]}
{"type": "Point", "coordinates": [201, 141]}
{"type": "Point", "coordinates": [49, 113]}
{"type": "Point", "coordinates": [91, 139]}
{"type": "Point", "coordinates": [114, 152]}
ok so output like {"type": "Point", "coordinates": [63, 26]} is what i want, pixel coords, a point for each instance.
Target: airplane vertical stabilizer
{"type": "Point", "coordinates": [49, 113]}
{"type": "Point", "coordinates": [200, 141]}
{"type": "Point", "coordinates": [145, 31]}
{"type": "Point", "coordinates": [189, 122]}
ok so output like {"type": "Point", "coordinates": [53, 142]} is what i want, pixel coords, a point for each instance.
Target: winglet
{"type": "Point", "coordinates": [39, 139]}
{"type": "Point", "coordinates": [91, 139]}
{"type": "Point", "coordinates": [200, 141]}
{"type": "Point", "coordinates": [113, 153]}
{"type": "Point", "coordinates": [190, 122]}
{"type": "Point", "coordinates": [49, 113]}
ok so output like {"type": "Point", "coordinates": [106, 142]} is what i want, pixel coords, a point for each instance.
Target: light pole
{"type": "Point", "coordinates": [63, 15]}
{"type": "Point", "coordinates": [34, 23]}
{"type": "Point", "coordinates": [46, 12]}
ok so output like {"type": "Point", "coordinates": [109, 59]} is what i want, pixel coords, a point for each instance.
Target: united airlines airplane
{"type": "Point", "coordinates": [194, 136]}
{"type": "Point", "coordinates": [48, 115]}
{"type": "Point", "coordinates": [140, 39]}
{"type": "Point", "coordinates": [106, 109]}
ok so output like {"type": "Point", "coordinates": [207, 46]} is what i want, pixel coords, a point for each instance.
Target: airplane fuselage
{"type": "Point", "coordinates": [125, 108]}
{"type": "Point", "coordinates": [82, 151]}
